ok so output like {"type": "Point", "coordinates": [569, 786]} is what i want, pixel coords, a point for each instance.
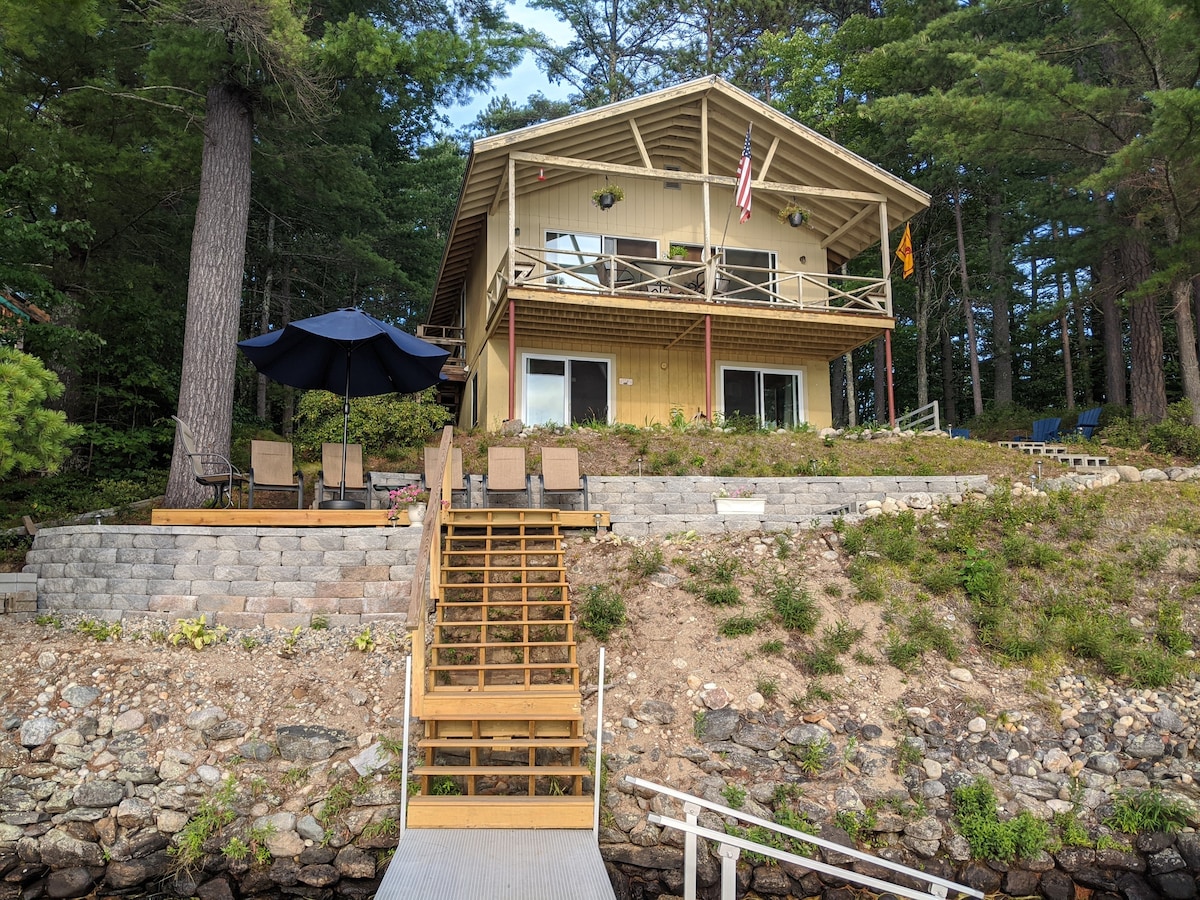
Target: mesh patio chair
{"type": "Point", "coordinates": [210, 469]}
{"type": "Point", "coordinates": [271, 469]}
{"type": "Point", "coordinates": [560, 474]}
{"type": "Point", "coordinates": [329, 478]}
{"type": "Point", "coordinates": [506, 474]}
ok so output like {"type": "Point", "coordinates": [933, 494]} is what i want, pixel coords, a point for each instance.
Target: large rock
{"type": "Point", "coordinates": [79, 696]}
{"type": "Point", "coordinates": [128, 873]}
{"type": "Point", "coordinates": [73, 882]}
{"type": "Point", "coordinates": [653, 712]}
{"type": "Point", "coordinates": [99, 794]}
{"type": "Point", "coordinates": [310, 742]}
{"type": "Point", "coordinates": [354, 863]}
{"type": "Point", "coordinates": [59, 850]}
{"type": "Point", "coordinates": [718, 725]}
{"type": "Point", "coordinates": [35, 732]}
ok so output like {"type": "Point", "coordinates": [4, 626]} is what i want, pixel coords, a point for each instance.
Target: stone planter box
{"type": "Point", "coordinates": [727, 506]}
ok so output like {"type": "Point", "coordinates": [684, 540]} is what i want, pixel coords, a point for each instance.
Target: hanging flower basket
{"type": "Point", "coordinates": [794, 215]}
{"type": "Point", "coordinates": [608, 195]}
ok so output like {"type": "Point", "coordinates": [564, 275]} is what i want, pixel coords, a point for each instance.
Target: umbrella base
{"type": "Point", "coordinates": [341, 504]}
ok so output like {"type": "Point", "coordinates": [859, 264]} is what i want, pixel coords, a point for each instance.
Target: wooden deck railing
{"type": "Point", "coordinates": [426, 584]}
{"type": "Point", "coordinates": [711, 280]}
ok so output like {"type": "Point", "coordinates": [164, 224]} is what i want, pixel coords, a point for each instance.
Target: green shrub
{"type": "Point", "coordinates": [602, 611]}
{"type": "Point", "coordinates": [795, 608]}
{"type": "Point", "coordinates": [646, 560]}
{"type": "Point", "coordinates": [990, 839]}
{"type": "Point", "coordinates": [378, 423]}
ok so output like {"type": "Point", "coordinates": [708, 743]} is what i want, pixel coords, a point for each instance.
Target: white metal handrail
{"type": "Point", "coordinates": [692, 830]}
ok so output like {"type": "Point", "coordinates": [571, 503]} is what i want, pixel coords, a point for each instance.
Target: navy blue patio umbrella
{"type": "Point", "coordinates": [346, 352]}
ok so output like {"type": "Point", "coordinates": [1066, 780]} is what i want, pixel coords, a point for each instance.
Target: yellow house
{"type": "Point", "coordinates": [562, 308]}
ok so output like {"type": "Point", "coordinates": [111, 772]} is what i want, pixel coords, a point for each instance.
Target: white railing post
{"type": "Point", "coordinates": [729, 857]}
{"type": "Point", "coordinates": [691, 812]}
{"type": "Point", "coordinates": [404, 759]}
{"type": "Point", "coordinates": [599, 747]}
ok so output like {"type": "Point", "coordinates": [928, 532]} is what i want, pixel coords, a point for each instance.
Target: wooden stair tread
{"type": "Point", "coordinates": [501, 769]}
{"type": "Point", "coordinates": [511, 645]}
{"type": "Point", "coordinates": [499, 743]}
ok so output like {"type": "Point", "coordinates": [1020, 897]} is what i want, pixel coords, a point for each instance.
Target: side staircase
{"type": "Point", "coordinates": [503, 743]}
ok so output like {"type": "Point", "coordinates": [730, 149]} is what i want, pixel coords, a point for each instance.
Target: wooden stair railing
{"type": "Point", "coordinates": [503, 738]}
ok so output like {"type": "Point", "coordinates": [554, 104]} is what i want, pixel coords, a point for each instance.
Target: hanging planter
{"type": "Point", "coordinates": [608, 195]}
{"type": "Point", "coordinates": [794, 215]}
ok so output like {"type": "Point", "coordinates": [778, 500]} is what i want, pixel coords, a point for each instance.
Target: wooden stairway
{"type": "Point", "coordinates": [503, 741]}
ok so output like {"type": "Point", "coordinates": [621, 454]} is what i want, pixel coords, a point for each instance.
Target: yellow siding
{"type": "Point", "coordinates": [661, 381]}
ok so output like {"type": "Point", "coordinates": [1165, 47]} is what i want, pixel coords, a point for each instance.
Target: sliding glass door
{"type": "Point", "coordinates": [775, 397]}
{"type": "Point", "coordinates": [566, 390]}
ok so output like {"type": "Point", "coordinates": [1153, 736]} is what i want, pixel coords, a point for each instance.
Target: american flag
{"type": "Point", "coordinates": [741, 194]}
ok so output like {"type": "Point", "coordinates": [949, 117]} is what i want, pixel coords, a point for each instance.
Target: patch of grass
{"type": "Point", "coordinates": [602, 611]}
{"type": "Point", "coordinates": [647, 560]}
{"type": "Point", "coordinates": [213, 814]}
{"type": "Point", "coordinates": [793, 606]}
{"type": "Point", "coordinates": [735, 795]}
{"type": "Point", "coordinates": [99, 631]}
{"type": "Point", "coordinates": [1149, 810]}
{"type": "Point", "coordinates": [738, 626]}
{"type": "Point", "coordinates": [771, 648]}
{"type": "Point", "coordinates": [811, 757]}
{"type": "Point", "coordinates": [857, 824]}
{"type": "Point", "coordinates": [768, 687]}
{"type": "Point", "coordinates": [974, 807]}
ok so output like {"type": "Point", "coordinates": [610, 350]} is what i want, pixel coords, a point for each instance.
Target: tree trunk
{"type": "Point", "coordinates": [1185, 327]}
{"type": "Point", "coordinates": [1147, 384]}
{"type": "Point", "coordinates": [1002, 357]}
{"type": "Point", "coordinates": [949, 389]}
{"type": "Point", "coordinates": [837, 391]}
{"type": "Point", "coordinates": [851, 392]}
{"type": "Point", "coordinates": [214, 286]}
{"type": "Point", "coordinates": [968, 313]}
{"type": "Point", "coordinates": [881, 404]}
{"type": "Point", "coordinates": [1114, 337]}
{"type": "Point", "coordinates": [1061, 301]}
{"type": "Point", "coordinates": [264, 317]}
{"type": "Point", "coordinates": [924, 292]}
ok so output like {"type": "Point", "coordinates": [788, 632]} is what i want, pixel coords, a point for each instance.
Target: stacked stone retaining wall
{"type": "Point", "coordinates": [659, 504]}
{"type": "Point", "coordinates": [240, 577]}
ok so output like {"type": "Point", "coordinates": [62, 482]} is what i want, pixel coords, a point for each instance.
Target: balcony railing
{"type": "Point", "coordinates": [710, 281]}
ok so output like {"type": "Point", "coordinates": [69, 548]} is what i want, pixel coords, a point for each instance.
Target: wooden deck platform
{"type": "Point", "coordinates": [329, 518]}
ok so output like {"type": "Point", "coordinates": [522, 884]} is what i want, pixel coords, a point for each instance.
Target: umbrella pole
{"type": "Point", "coordinates": [345, 425]}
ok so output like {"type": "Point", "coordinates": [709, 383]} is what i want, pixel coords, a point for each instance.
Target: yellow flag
{"type": "Point", "coordinates": [904, 252]}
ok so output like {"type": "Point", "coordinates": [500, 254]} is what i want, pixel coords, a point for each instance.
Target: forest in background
{"type": "Point", "coordinates": [1057, 265]}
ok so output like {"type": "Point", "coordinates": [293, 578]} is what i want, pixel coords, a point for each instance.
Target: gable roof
{"type": "Point", "coordinates": [667, 127]}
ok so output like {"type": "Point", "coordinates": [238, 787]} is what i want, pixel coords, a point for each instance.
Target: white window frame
{"type": "Point", "coordinates": [610, 399]}
{"type": "Point", "coordinates": [759, 370]}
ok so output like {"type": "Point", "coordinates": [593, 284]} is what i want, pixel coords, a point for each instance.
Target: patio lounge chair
{"type": "Point", "coordinates": [1088, 422]}
{"type": "Point", "coordinates": [211, 469]}
{"type": "Point", "coordinates": [1043, 430]}
{"type": "Point", "coordinates": [329, 478]}
{"type": "Point", "coordinates": [960, 433]}
{"type": "Point", "coordinates": [560, 474]}
{"type": "Point", "coordinates": [271, 469]}
{"type": "Point", "coordinates": [506, 474]}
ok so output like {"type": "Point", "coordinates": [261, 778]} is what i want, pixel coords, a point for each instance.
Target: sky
{"type": "Point", "coordinates": [526, 78]}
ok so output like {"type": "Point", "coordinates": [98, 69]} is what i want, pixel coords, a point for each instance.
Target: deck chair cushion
{"type": "Point", "coordinates": [506, 473]}
{"type": "Point", "coordinates": [560, 473]}
{"type": "Point", "coordinates": [330, 477]}
{"type": "Point", "coordinates": [271, 469]}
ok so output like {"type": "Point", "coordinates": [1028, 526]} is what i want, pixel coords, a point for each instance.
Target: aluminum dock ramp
{"type": "Point", "coordinates": [496, 864]}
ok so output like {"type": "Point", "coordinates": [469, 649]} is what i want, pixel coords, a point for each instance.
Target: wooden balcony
{"type": "Point", "coordinates": [663, 302]}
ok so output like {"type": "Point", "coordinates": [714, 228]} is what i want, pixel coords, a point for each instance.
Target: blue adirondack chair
{"type": "Point", "coordinates": [1043, 430]}
{"type": "Point", "coordinates": [1088, 422]}
{"type": "Point", "coordinates": [960, 432]}
{"type": "Point", "coordinates": [1046, 429]}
